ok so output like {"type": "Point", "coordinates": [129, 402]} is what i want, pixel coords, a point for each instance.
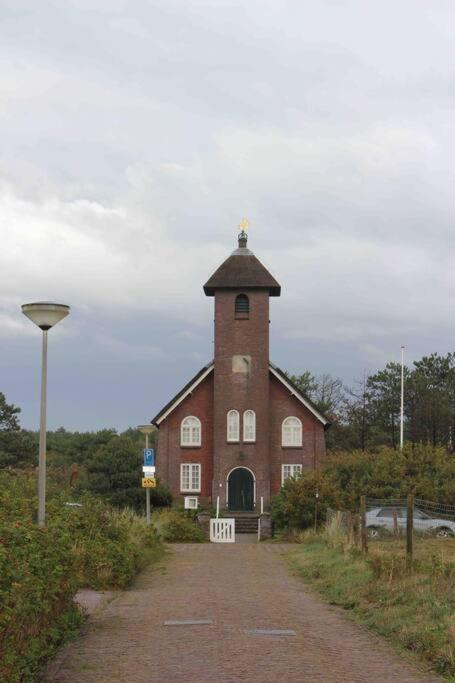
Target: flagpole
{"type": "Point", "coordinates": [402, 399]}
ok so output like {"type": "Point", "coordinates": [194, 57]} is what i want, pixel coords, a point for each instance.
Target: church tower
{"type": "Point", "coordinates": [239, 428]}
{"type": "Point", "coordinates": [241, 287]}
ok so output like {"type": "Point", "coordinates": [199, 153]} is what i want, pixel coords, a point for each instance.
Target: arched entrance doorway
{"type": "Point", "coordinates": [240, 489]}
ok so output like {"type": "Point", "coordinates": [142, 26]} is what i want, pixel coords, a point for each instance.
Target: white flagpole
{"type": "Point", "coordinates": [402, 399]}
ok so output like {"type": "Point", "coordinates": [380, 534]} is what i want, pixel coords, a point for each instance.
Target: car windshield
{"type": "Point", "coordinates": [418, 514]}
{"type": "Point", "coordinates": [402, 513]}
{"type": "Point", "coordinates": [388, 512]}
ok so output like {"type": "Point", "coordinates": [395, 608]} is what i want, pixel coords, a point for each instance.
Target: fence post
{"type": "Point", "coordinates": [395, 521]}
{"type": "Point", "coordinates": [350, 528]}
{"type": "Point", "coordinates": [409, 529]}
{"type": "Point", "coordinates": [363, 524]}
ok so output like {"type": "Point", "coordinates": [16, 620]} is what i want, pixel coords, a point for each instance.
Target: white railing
{"type": "Point", "coordinates": [222, 530]}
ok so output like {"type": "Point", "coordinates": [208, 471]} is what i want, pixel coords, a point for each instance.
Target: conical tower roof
{"type": "Point", "coordinates": [242, 270]}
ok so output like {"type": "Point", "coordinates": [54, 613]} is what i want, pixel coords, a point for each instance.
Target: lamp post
{"type": "Point", "coordinates": [45, 315]}
{"type": "Point", "coordinates": [316, 497]}
{"type": "Point", "coordinates": [146, 429]}
{"type": "Point", "coordinates": [402, 399]}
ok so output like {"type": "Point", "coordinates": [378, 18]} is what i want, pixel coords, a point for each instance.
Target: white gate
{"type": "Point", "coordinates": [222, 530]}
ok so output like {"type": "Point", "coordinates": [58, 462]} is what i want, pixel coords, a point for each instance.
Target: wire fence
{"type": "Point", "coordinates": [400, 517]}
{"type": "Point", "coordinates": [391, 514]}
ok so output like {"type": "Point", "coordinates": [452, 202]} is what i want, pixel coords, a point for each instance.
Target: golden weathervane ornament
{"type": "Point", "coordinates": [244, 224]}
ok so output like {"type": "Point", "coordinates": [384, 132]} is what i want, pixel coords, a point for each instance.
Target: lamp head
{"type": "Point", "coordinates": [45, 314]}
{"type": "Point", "coordinates": [146, 429]}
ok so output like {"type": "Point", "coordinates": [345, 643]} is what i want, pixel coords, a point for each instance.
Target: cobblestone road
{"type": "Point", "coordinates": [239, 588]}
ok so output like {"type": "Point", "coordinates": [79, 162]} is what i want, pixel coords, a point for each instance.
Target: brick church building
{"type": "Point", "coordinates": [239, 428]}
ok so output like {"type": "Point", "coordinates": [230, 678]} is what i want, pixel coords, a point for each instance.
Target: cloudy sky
{"type": "Point", "coordinates": [136, 135]}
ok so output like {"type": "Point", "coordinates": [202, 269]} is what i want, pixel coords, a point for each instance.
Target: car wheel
{"type": "Point", "coordinates": [373, 532]}
{"type": "Point", "coordinates": [444, 532]}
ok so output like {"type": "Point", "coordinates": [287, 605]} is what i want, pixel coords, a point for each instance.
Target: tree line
{"type": "Point", "coordinates": [364, 416]}
{"type": "Point", "coordinates": [104, 462]}
{"type": "Point", "coordinates": [367, 415]}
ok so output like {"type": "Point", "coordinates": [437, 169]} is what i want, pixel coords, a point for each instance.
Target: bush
{"type": "Point", "coordinates": [109, 546]}
{"type": "Point", "coordinates": [37, 585]}
{"type": "Point", "coordinates": [41, 569]}
{"type": "Point", "coordinates": [428, 472]}
{"type": "Point", "coordinates": [173, 527]}
{"type": "Point", "coordinates": [294, 506]}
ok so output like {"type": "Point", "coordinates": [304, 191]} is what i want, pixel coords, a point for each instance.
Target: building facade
{"type": "Point", "coordinates": [239, 428]}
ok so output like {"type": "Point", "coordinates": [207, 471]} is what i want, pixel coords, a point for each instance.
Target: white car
{"type": "Point", "coordinates": [382, 518]}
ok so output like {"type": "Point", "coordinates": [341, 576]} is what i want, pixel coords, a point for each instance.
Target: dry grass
{"type": "Point", "coordinates": [425, 547]}
{"type": "Point", "coordinates": [413, 606]}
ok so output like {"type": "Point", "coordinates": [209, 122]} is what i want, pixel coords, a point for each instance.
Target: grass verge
{"type": "Point", "coordinates": [414, 609]}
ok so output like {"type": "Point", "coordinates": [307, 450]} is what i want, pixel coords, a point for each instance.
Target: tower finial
{"type": "Point", "coordinates": [243, 237]}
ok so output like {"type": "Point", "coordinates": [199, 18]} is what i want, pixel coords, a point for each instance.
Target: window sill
{"type": "Point", "coordinates": [292, 447]}
{"type": "Point", "coordinates": [187, 445]}
{"type": "Point", "coordinates": [248, 443]}
{"type": "Point", "coordinates": [233, 442]}
{"type": "Point", "coordinates": [184, 493]}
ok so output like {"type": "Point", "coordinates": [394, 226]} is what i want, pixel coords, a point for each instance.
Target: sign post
{"type": "Point", "coordinates": [148, 469]}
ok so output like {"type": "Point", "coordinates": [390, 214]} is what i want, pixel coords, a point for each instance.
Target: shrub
{"type": "Point", "coordinates": [173, 527]}
{"type": "Point", "coordinates": [294, 506]}
{"type": "Point", "coordinates": [37, 585]}
{"type": "Point", "coordinates": [428, 472]}
{"type": "Point", "coordinates": [109, 546]}
{"type": "Point", "coordinates": [42, 568]}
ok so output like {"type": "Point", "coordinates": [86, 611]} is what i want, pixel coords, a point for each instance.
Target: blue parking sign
{"type": "Point", "coordinates": [149, 457]}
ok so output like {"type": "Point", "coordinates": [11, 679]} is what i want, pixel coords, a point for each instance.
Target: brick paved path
{"type": "Point", "coordinates": [240, 588]}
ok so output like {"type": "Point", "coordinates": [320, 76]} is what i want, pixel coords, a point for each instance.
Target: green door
{"type": "Point", "coordinates": [241, 490]}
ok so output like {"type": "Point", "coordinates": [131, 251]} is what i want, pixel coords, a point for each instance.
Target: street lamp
{"type": "Point", "coordinates": [146, 429]}
{"type": "Point", "coordinates": [45, 315]}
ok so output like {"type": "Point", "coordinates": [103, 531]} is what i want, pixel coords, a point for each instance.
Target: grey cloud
{"type": "Point", "coordinates": [137, 135]}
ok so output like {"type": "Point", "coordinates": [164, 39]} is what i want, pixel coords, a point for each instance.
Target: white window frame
{"type": "Point", "coordinates": [294, 469]}
{"type": "Point", "coordinates": [249, 439]}
{"type": "Point", "coordinates": [187, 482]}
{"type": "Point", "coordinates": [292, 442]}
{"type": "Point", "coordinates": [233, 437]}
{"type": "Point", "coordinates": [193, 440]}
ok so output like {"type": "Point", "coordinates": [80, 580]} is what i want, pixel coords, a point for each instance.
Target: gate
{"type": "Point", "coordinates": [222, 530]}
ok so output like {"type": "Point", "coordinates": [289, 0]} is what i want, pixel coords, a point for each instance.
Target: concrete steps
{"type": "Point", "coordinates": [245, 524]}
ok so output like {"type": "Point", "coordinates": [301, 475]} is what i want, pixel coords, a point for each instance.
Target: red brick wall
{"type": "Point", "coordinates": [224, 390]}
{"type": "Point", "coordinates": [246, 337]}
{"type": "Point", "coordinates": [283, 405]}
{"type": "Point", "coordinates": [170, 454]}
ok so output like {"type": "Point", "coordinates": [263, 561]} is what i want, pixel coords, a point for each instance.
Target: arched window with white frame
{"type": "Point", "coordinates": [249, 425]}
{"type": "Point", "coordinates": [190, 431]}
{"type": "Point", "coordinates": [233, 425]}
{"type": "Point", "coordinates": [291, 432]}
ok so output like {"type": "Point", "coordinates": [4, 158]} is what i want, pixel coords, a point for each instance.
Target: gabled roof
{"type": "Point", "coordinates": [183, 393]}
{"type": "Point", "coordinates": [207, 369]}
{"type": "Point", "coordinates": [242, 270]}
{"type": "Point", "coordinates": [295, 391]}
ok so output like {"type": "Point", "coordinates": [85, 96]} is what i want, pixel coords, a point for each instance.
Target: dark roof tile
{"type": "Point", "coordinates": [242, 270]}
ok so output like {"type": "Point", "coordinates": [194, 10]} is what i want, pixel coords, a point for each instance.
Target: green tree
{"type": "Point", "coordinates": [358, 413]}
{"type": "Point", "coordinates": [306, 383]}
{"type": "Point", "coordinates": [430, 399]}
{"type": "Point", "coordinates": [385, 396]}
{"type": "Point", "coordinates": [17, 448]}
{"type": "Point", "coordinates": [114, 472]}
{"type": "Point", "coordinates": [9, 421]}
